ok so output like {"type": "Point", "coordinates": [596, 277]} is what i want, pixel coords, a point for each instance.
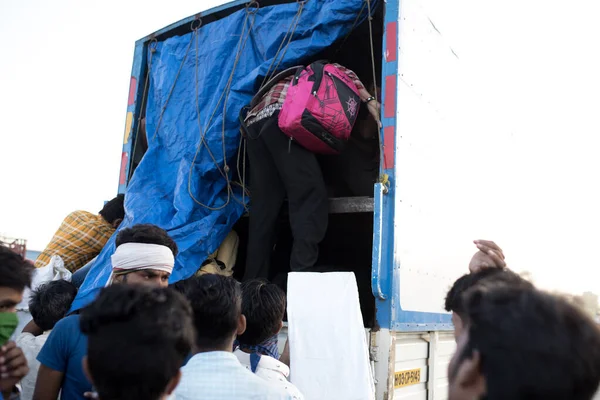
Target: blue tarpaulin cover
{"type": "Point", "coordinates": [158, 192]}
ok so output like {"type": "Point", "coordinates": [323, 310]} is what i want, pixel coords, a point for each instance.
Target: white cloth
{"type": "Point", "coordinates": [328, 345]}
{"type": "Point", "coordinates": [31, 346]}
{"type": "Point", "coordinates": [271, 370]}
{"type": "Point", "coordinates": [140, 256]}
{"type": "Point", "coordinates": [53, 271]}
{"type": "Point", "coordinates": [218, 375]}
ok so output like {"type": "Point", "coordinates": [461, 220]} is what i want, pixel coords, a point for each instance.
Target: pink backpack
{"type": "Point", "coordinates": [320, 108]}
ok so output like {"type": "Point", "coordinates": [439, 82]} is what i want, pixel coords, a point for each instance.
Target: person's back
{"type": "Point", "coordinates": [48, 305]}
{"type": "Point", "coordinates": [214, 372]}
{"type": "Point", "coordinates": [270, 370]}
{"type": "Point", "coordinates": [61, 355]}
{"type": "Point", "coordinates": [263, 305]}
{"type": "Point", "coordinates": [138, 338]}
{"type": "Point", "coordinates": [219, 375]}
{"type": "Point", "coordinates": [519, 343]}
{"type": "Point", "coordinates": [82, 235]}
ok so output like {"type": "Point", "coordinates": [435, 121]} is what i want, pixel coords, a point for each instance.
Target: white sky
{"type": "Point", "coordinates": [64, 78]}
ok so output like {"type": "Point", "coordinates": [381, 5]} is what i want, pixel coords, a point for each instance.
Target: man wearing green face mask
{"type": "Point", "coordinates": [15, 275]}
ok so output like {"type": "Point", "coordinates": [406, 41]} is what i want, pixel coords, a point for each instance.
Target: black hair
{"type": "Point", "coordinates": [263, 304]}
{"type": "Point", "coordinates": [15, 271]}
{"type": "Point", "coordinates": [183, 286]}
{"type": "Point", "coordinates": [146, 233]}
{"type": "Point", "coordinates": [138, 339]}
{"type": "Point", "coordinates": [51, 302]}
{"type": "Point", "coordinates": [114, 210]}
{"type": "Point", "coordinates": [454, 297]}
{"type": "Point", "coordinates": [216, 302]}
{"type": "Point", "coordinates": [533, 345]}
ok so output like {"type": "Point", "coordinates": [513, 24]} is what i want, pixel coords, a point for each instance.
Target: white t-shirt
{"type": "Point", "coordinates": [273, 371]}
{"type": "Point", "coordinates": [31, 346]}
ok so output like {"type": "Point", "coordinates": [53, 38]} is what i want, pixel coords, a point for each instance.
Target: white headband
{"type": "Point", "coordinates": [138, 256]}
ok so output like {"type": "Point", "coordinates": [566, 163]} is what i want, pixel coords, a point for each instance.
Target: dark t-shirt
{"type": "Point", "coordinates": [64, 351]}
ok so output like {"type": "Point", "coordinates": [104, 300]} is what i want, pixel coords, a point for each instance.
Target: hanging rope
{"type": "Point", "coordinates": [164, 107]}
{"type": "Point", "coordinates": [271, 71]}
{"type": "Point", "coordinates": [224, 96]}
{"type": "Point", "coordinates": [384, 177]}
{"type": "Point", "coordinates": [287, 39]}
{"type": "Point", "coordinates": [351, 29]}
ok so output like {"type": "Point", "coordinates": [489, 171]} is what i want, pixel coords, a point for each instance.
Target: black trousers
{"type": "Point", "coordinates": [278, 168]}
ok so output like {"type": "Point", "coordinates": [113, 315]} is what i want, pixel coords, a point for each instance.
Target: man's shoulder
{"type": "Point", "coordinates": [81, 214]}
{"type": "Point", "coordinates": [68, 326]}
{"type": "Point", "coordinates": [25, 339]}
{"type": "Point", "coordinates": [256, 384]}
{"type": "Point", "coordinates": [213, 372]}
{"type": "Point", "coordinates": [266, 364]}
{"type": "Point", "coordinates": [273, 364]}
{"type": "Point", "coordinates": [68, 322]}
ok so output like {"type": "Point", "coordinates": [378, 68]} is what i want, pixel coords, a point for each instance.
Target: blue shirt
{"type": "Point", "coordinates": [218, 375]}
{"type": "Point", "coordinates": [64, 351]}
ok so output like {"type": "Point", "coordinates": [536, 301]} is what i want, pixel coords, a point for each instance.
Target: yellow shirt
{"type": "Point", "coordinates": [80, 237]}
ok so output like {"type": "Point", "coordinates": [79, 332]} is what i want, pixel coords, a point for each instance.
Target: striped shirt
{"type": "Point", "coordinates": [80, 237]}
{"type": "Point", "coordinates": [273, 100]}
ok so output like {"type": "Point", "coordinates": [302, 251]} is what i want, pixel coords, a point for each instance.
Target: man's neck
{"type": "Point", "coordinates": [226, 346]}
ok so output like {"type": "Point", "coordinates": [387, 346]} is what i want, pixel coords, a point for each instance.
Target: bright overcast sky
{"type": "Point", "coordinates": [64, 78]}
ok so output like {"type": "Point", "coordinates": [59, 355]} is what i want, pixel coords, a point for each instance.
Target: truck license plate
{"type": "Point", "coordinates": [407, 378]}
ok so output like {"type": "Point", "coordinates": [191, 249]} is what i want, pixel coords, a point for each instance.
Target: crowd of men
{"type": "Point", "coordinates": [210, 337]}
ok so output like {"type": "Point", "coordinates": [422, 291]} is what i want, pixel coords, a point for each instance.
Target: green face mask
{"type": "Point", "coordinates": [8, 325]}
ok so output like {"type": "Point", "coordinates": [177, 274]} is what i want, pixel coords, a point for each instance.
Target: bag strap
{"type": "Point", "coordinates": [318, 68]}
{"type": "Point", "coordinates": [242, 116]}
{"type": "Point", "coordinates": [272, 82]}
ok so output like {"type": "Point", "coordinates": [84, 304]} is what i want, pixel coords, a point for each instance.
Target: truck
{"type": "Point", "coordinates": [19, 246]}
{"type": "Point", "coordinates": [406, 243]}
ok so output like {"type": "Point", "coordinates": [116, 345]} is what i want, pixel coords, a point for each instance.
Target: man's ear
{"type": "Point", "coordinates": [241, 328]}
{"type": "Point", "coordinates": [469, 376]}
{"type": "Point", "coordinates": [172, 385]}
{"type": "Point", "coordinates": [280, 327]}
{"type": "Point", "coordinates": [86, 369]}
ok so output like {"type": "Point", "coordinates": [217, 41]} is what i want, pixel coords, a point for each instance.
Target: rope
{"type": "Point", "coordinates": [290, 32]}
{"type": "Point", "coordinates": [351, 29]}
{"type": "Point", "coordinates": [383, 178]}
{"type": "Point", "coordinates": [225, 95]}
{"type": "Point", "coordinates": [287, 45]}
{"type": "Point", "coordinates": [287, 39]}
{"type": "Point", "coordinates": [162, 112]}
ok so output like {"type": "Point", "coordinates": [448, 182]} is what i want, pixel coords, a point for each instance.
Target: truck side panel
{"type": "Point", "coordinates": [426, 171]}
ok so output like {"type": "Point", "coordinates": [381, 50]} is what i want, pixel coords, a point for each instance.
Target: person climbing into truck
{"type": "Point", "coordinates": [82, 235]}
{"type": "Point", "coordinates": [354, 172]}
{"type": "Point", "coordinates": [311, 110]}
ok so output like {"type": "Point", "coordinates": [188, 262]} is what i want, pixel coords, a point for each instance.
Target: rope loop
{"type": "Point", "coordinates": [153, 45]}
{"type": "Point", "coordinates": [252, 7]}
{"type": "Point", "coordinates": [198, 22]}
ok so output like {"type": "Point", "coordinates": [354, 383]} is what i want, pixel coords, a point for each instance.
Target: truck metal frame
{"type": "Point", "coordinates": [411, 347]}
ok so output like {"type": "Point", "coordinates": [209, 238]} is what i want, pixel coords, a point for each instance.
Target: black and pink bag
{"type": "Point", "coordinates": [320, 108]}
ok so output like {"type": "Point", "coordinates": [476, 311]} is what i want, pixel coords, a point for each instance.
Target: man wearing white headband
{"type": "Point", "coordinates": [145, 255]}
{"type": "Point", "coordinates": [139, 259]}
